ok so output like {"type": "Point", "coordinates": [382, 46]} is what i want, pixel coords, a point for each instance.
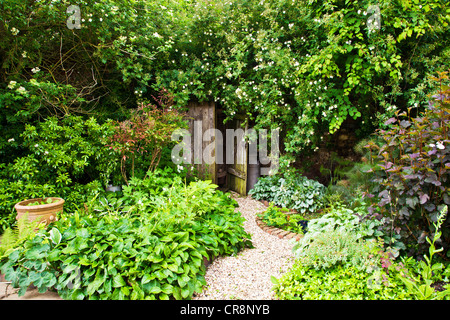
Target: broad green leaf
{"type": "Point", "coordinates": [55, 236]}
{"type": "Point", "coordinates": [118, 281]}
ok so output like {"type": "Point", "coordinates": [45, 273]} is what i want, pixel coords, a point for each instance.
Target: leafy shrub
{"type": "Point", "coordinates": [412, 172]}
{"type": "Point", "coordinates": [337, 247]}
{"type": "Point", "coordinates": [290, 191]}
{"type": "Point", "coordinates": [340, 283]}
{"type": "Point", "coordinates": [145, 134]}
{"type": "Point", "coordinates": [153, 248]}
{"type": "Point", "coordinates": [340, 218]}
{"type": "Point", "coordinates": [279, 218]}
{"type": "Point", "coordinates": [337, 263]}
{"type": "Point", "coordinates": [67, 158]}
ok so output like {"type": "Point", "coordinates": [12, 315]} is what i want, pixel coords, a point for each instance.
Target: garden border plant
{"type": "Point", "coordinates": [147, 243]}
{"type": "Point", "coordinates": [412, 168]}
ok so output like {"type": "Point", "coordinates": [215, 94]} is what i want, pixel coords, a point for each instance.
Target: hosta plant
{"type": "Point", "coordinates": [290, 191]}
{"type": "Point", "coordinates": [149, 247]}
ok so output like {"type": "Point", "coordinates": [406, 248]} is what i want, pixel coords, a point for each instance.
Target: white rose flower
{"type": "Point", "coordinates": [12, 84]}
{"type": "Point", "coordinates": [21, 90]}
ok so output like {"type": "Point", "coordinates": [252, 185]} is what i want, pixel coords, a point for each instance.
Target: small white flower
{"type": "Point", "coordinates": [11, 140]}
{"type": "Point", "coordinates": [46, 152]}
{"type": "Point", "coordinates": [12, 84]}
{"type": "Point", "coordinates": [35, 70]}
{"type": "Point", "coordinates": [101, 19]}
{"type": "Point", "coordinates": [24, 54]}
{"type": "Point", "coordinates": [157, 35]}
{"type": "Point", "coordinates": [14, 31]}
{"type": "Point", "coordinates": [440, 145]}
{"type": "Point", "coordinates": [36, 145]}
{"type": "Point", "coordinates": [21, 90]}
{"type": "Point", "coordinates": [432, 145]}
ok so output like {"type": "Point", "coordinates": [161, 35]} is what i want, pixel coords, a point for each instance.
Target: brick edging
{"type": "Point", "coordinates": [280, 233]}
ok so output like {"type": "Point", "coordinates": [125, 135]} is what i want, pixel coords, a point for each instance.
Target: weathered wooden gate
{"type": "Point", "coordinates": [236, 155]}
{"type": "Point", "coordinates": [229, 152]}
{"type": "Point", "coordinates": [202, 117]}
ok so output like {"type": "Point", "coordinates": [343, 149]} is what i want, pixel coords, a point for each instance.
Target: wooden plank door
{"type": "Point", "coordinates": [236, 156]}
{"type": "Point", "coordinates": [201, 118]}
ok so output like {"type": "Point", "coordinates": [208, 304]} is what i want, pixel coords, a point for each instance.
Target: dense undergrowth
{"type": "Point", "coordinates": [148, 243]}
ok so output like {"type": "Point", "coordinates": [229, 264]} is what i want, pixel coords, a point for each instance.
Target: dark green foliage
{"type": "Point", "coordinates": [336, 264]}
{"type": "Point", "coordinates": [147, 243]}
{"type": "Point", "coordinates": [66, 158]}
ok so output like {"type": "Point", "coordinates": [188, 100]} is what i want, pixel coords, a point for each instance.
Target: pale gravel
{"type": "Point", "coordinates": [246, 276]}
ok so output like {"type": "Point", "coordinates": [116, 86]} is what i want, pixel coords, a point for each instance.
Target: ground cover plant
{"type": "Point", "coordinates": [291, 191]}
{"type": "Point", "coordinates": [150, 246]}
{"type": "Point", "coordinates": [338, 263]}
{"type": "Point", "coordinates": [283, 219]}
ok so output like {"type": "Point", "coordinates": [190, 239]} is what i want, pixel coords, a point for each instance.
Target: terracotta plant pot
{"type": "Point", "coordinates": [45, 213]}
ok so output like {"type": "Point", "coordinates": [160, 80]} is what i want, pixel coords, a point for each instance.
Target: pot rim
{"type": "Point", "coordinates": [20, 205]}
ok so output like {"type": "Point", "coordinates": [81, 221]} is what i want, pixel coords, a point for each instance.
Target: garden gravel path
{"type": "Point", "coordinates": [247, 275]}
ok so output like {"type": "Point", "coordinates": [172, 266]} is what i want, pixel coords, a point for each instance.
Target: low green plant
{"type": "Point", "coordinates": [16, 235]}
{"type": "Point", "coordinates": [425, 271]}
{"type": "Point", "coordinates": [281, 218]}
{"type": "Point", "coordinates": [338, 247]}
{"type": "Point", "coordinates": [146, 246]}
{"type": "Point", "coordinates": [340, 218]}
{"type": "Point", "coordinates": [290, 191]}
{"type": "Point", "coordinates": [336, 264]}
